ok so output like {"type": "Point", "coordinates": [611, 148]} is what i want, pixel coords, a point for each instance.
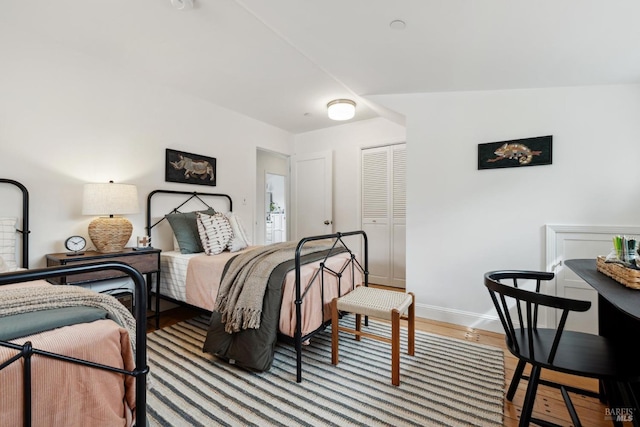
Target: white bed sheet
{"type": "Point", "coordinates": [193, 288]}
{"type": "Point", "coordinates": [173, 274]}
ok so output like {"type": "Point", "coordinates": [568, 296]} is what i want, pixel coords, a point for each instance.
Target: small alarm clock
{"type": "Point", "coordinates": [75, 244]}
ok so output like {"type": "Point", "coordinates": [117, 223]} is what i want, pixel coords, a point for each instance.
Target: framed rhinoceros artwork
{"type": "Point", "coordinates": [189, 168]}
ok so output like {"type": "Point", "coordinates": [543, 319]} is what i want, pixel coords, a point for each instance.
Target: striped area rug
{"type": "Point", "coordinates": [447, 383]}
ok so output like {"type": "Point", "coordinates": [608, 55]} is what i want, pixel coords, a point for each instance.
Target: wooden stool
{"type": "Point", "coordinates": [381, 304]}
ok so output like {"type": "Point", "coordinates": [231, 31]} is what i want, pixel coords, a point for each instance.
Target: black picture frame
{"type": "Point", "coordinates": [516, 153]}
{"type": "Point", "coordinates": [189, 168]}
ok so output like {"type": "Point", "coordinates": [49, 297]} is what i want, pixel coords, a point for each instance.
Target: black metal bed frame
{"type": "Point", "coordinates": [353, 262]}
{"type": "Point", "coordinates": [27, 351]}
{"type": "Point", "coordinates": [25, 220]}
{"type": "Point", "coordinates": [298, 338]}
{"type": "Point", "coordinates": [192, 195]}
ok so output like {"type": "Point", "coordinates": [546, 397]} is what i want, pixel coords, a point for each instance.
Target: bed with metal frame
{"type": "Point", "coordinates": [301, 289]}
{"type": "Point", "coordinates": [26, 352]}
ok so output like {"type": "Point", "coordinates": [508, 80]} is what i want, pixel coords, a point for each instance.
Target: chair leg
{"type": "Point", "coordinates": [569, 404]}
{"type": "Point", "coordinates": [530, 397]}
{"type": "Point", "coordinates": [411, 327]}
{"type": "Point", "coordinates": [395, 347]}
{"type": "Point", "coordinates": [515, 380]}
{"type": "Point", "coordinates": [358, 326]}
{"type": "Point", "coordinates": [334, 331]}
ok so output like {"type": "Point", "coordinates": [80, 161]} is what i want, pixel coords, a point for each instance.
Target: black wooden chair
{"type": "Point", "coordinates": [556, 349]}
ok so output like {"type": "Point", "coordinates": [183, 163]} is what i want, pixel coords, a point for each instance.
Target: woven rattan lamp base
{"type": "Point", "coordinates": [110, 234]}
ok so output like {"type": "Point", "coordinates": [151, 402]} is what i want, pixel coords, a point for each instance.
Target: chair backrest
{"type": "Point", "coordinates": [507, 297]}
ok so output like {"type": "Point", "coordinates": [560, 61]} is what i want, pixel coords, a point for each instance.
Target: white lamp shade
{"type": "Point", "coordinates": [341, 109]}
{"type": "Point", "coordinates": [110, 199]}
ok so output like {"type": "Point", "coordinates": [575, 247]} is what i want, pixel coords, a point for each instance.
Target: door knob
{"type": "Point", "coordinates": [327, 222]}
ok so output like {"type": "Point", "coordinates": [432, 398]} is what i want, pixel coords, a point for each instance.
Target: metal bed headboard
{"type": "Point", "coordinates": [192, 195]}
{"type": "Point", "coordinates": [24, 231]}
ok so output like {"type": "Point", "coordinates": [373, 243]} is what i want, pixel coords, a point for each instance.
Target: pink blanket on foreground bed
{"type": "Point", "coordinates": [65, 394]}
{"type": "Point", "coordinates": [204, 274]}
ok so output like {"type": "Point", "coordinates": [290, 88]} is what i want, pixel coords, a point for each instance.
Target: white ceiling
{"type": "Point", "coordinates": [281, 61]}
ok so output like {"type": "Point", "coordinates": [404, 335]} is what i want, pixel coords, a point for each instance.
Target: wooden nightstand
{"type": "Point", "coordinates": [145, 261]}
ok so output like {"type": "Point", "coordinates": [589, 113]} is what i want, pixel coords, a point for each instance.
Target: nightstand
{"type": "Point", "coordinates": [145, 261]}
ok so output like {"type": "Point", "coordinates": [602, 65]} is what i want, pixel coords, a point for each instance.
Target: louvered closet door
{"type": "Point", "coordinates": [383, 212]}
{"type": "Point", "coordinates": [398, 215]}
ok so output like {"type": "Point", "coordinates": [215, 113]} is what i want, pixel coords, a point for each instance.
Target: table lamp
{"type": "Point", "coordinates": [110, 234]}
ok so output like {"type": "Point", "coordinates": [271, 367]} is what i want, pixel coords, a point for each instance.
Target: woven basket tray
{"type": "Point", "coordinates": [627, 276]}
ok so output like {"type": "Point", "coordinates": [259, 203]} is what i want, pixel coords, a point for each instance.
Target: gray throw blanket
{"type": "Point", "coordinates": [243, 286]}
{"type": "Point", "coordinates": [30, 299]}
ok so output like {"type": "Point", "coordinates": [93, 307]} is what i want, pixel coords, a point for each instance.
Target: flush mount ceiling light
{"type": "Point", "coordinates": [341, 109]}
{"type": "Point", "coordinates": [398, 24]}
{"type": "Point", "coordinates": [182, 4]}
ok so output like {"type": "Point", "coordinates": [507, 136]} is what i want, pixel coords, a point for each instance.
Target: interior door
{"type": "Point", "coordinates": [312, 194]}
{"type": "Point", "coordinates": [383, 178]}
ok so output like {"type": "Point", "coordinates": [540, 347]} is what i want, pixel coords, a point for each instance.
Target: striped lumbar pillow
{"type": "Point", "coordinates": [215, 232]}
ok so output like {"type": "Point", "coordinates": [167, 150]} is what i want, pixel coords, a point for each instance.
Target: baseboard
{"type": "Point", "coordinates": [472, 320]}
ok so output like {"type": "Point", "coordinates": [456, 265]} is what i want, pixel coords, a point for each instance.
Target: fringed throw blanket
{"type": "Point", "coordinates": [29, 299]}
{"type": "Point", "coordinates": [243, 285]}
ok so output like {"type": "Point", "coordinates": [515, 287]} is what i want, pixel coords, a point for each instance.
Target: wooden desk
{"type": "Point", "coordinates": [618, 306]}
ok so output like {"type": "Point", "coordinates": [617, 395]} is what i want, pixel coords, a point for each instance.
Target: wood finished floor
{"type": "Point", "coordinates": [549, 403]}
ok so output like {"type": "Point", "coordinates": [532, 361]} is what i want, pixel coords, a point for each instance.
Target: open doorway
{"type": "Point", "coordinates": [275, 202]}
{"type": "Point", "coordinates": [272, 197]}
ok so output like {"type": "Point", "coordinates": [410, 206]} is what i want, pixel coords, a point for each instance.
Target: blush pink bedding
{"type": "Point", "coordinates": [204, 274]}
{"type": "Point", "coordinates": [65, 394]}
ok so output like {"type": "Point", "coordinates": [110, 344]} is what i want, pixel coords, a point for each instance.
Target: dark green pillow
{"type": "Point", "coordinates": [185, 228]}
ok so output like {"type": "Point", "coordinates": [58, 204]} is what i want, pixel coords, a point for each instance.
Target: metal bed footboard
{"type": "Point", "coordinates": [27, 351]}
{"type": "Point", "coordinates": [300, 292]}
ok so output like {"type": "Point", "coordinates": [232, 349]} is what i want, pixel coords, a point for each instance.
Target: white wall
{"type": "Point", "coordinates": [463, 222]}
{"type": "Point", "coordinates": [66, 119]}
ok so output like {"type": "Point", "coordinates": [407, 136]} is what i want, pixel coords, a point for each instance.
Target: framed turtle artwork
{"type": "Point", "coordinates": [189, 168]}
{"type": "Point", "coordinates": [515, 153]}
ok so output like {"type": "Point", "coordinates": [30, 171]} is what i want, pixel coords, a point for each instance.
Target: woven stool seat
{"type": "Point", "coordinates": [374, 302]}
{"type": "Point", "coordinates": [381, 304]}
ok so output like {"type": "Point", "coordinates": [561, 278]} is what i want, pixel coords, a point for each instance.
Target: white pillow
{"type": "Point", "coordinates": [8, 241]}
{"type": "Point", "coordinates": [3, 266]}
{"type": "Point", "coordinates": [239, 240]}
{"type": "Point", "coordinates": [215, 232]}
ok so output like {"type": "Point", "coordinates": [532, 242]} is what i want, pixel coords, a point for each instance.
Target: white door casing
{"type": "Point", "coordinates": [312, 194]}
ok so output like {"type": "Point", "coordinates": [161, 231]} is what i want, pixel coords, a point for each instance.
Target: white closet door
{"type": "Point", "coordinates": [398, 215]}
{"type": "Point", "coordinates": [383, 212]}
{"type": "Point", "coordinates": [375, 212]}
